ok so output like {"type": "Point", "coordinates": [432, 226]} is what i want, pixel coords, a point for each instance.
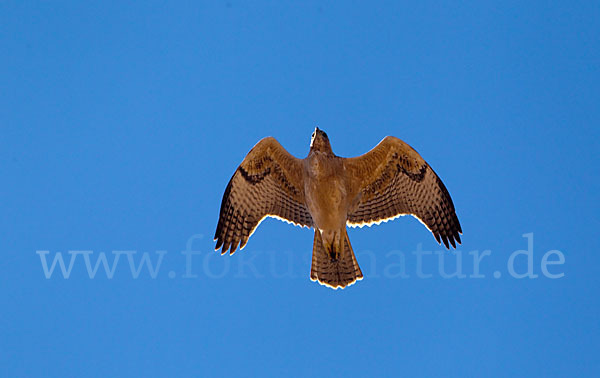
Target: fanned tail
{"type": "Point", "coordinates": [333, 268]}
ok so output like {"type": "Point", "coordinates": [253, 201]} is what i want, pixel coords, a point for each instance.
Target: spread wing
{"type": "Point", "coordinates": [393, 180]}
{"type": "Point", "coordinates": [267, 183]}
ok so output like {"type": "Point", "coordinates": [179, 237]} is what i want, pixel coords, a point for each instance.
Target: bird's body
{"type": "Point", "coordinates": [327, 192]}
{"type": "Point", "coordinates": [328, 200]}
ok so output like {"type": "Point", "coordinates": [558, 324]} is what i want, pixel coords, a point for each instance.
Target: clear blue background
{"type": "Point", "coordinates": [121, 125]}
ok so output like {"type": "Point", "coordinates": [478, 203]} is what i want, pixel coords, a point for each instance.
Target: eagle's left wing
{"type": "Point", "coordinates": [393, 180]}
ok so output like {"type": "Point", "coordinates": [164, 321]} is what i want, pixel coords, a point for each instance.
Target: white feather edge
{"type": "Point", "coordinates": [261, 220]}
{"type": "Point", "coordinates": [336, 287]}
{"type": "Point", "coordinates": [384, 220]}
{"type": "Point", "coordinates": [350, 224]}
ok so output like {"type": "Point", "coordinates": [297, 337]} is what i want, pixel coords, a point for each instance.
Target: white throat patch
{"type": "Point", "coordinates": [312, 138]}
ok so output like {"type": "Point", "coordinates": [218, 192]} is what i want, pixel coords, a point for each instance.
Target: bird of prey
{"type": "Point", "coordinates": [327, 192]}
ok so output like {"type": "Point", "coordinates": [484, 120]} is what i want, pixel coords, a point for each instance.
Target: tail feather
{"type": "Point", "coordinates": [335, 270]}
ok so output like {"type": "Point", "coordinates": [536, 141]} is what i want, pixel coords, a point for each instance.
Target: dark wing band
{"type": "Point", "coordinates": [393, 180]}
{"type": "Point", "coordinates": [267, 183]}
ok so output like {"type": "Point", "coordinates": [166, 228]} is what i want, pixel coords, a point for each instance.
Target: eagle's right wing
{"type": "Point", "coordinates": [268, 182]}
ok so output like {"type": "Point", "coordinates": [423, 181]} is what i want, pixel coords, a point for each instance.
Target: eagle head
{"type": "Point", "coordinates": [319, 141]}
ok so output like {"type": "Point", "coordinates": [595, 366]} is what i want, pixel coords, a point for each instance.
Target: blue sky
{"type": "Point", "coordinates": [122, 124]}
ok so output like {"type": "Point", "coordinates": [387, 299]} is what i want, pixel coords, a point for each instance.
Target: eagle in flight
{"type": "Point", "coordinates": [328, 193]}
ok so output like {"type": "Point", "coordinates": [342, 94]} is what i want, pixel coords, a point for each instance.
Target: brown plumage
{"type": "Point", "coordinates": [327, 192]}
